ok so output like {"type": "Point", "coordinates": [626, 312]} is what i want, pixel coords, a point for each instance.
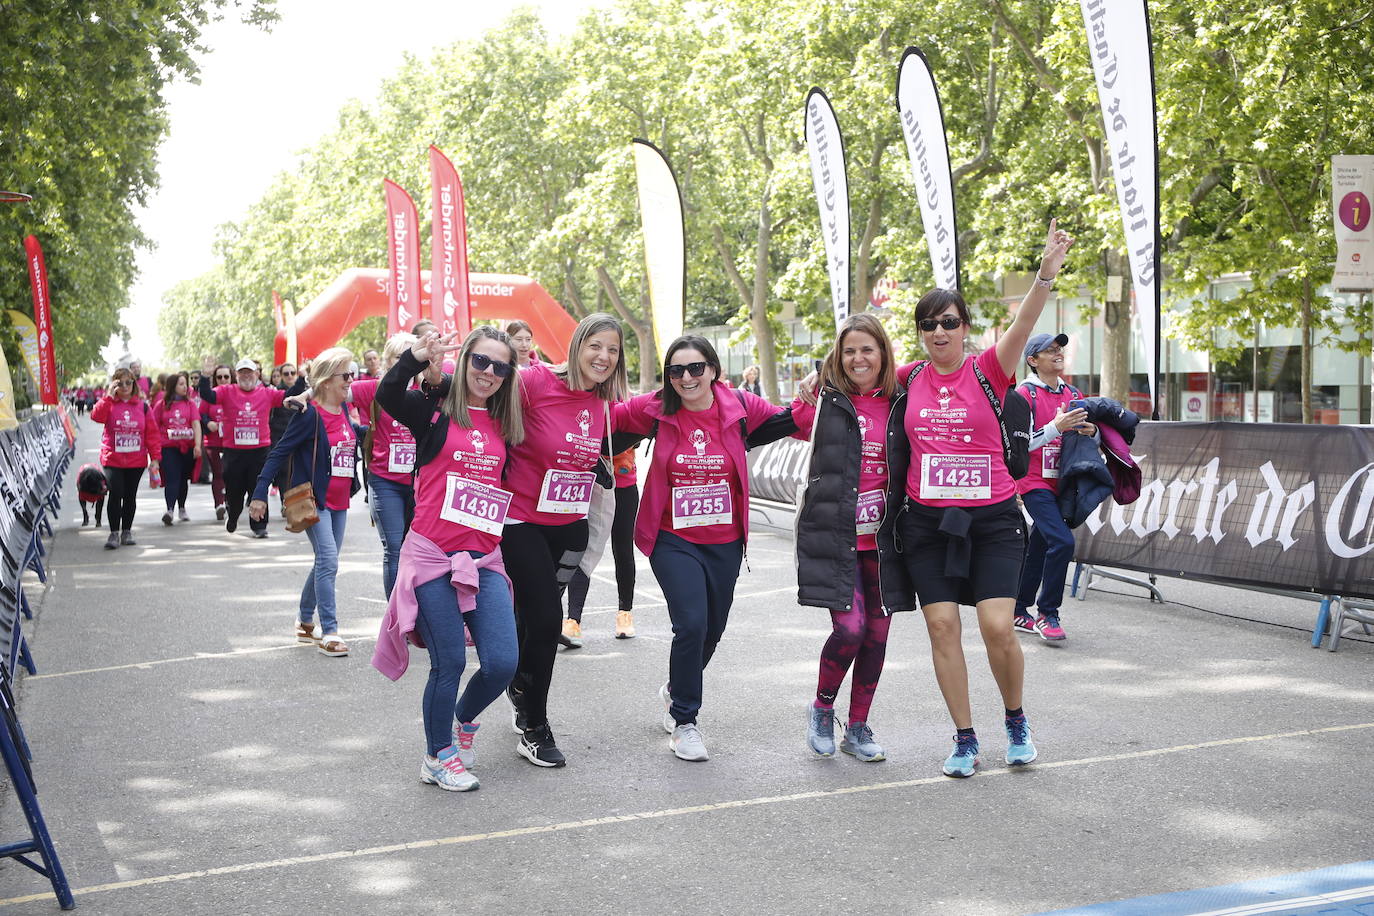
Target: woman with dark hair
{"type": "Point", "coordinates": [962, 533]}
{"type": "Point", "coordinates": [694, 515]}
{"type": "Point", "coordinates": [451, 570]}
{"type": "Point", "coordinates": [523, 339]}
{"type": "Point", "coordinates": [211, 418]}
{"type": "Point", "coordinates": [129, 444]}
{"type": "Point", "coordinates": [179, 425]}
{"type": "Point", "coordinates": [839, 559]}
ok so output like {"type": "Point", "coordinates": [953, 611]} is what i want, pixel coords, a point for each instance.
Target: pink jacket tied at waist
{"type": "Point", "coordinates": [422, 561]}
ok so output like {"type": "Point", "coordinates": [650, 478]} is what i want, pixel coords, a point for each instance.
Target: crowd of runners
{"type": "Point", "coordinates": [496, 480]}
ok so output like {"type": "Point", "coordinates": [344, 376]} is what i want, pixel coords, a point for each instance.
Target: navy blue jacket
{"type": "Point", "coordinates": [298, 442]}
{"type": "Point", "coordinates": [1085, 481]}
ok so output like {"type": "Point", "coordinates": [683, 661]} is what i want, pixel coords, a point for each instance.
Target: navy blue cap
{"type": "Point", "coordinates": [1040, 342]}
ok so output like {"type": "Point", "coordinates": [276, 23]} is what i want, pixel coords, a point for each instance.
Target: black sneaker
{"type": "Point", "coordinates": [537, 746]}
{"type": "Point", "coordinates": [517, 709]}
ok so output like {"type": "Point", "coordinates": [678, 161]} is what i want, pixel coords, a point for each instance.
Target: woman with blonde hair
{"type": "Point", "coordinates": [451, 571]}
{"type": "Point", "coordinates": [321, 444]}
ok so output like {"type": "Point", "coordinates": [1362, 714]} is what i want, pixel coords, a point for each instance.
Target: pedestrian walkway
{"type": "Point", "coordinates": [192, 758]}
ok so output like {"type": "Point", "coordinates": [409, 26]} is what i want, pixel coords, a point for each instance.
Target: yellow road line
{"type": "Point", "coordinates": [664, 813]}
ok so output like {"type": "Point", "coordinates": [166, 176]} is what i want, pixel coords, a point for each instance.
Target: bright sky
{"type": "Point", "coordinates": [266, 96]}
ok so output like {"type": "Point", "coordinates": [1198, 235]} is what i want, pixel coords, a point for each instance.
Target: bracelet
{"type": "Point", "coordinates": [1041, 281]}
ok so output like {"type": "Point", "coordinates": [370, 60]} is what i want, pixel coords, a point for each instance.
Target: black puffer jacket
{"type": "Point", "coordinates": [827, 558]}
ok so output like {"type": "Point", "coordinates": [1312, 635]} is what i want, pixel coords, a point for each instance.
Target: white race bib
{"type": "Point", "coordinates": [401, 458]}
{"type": "Point", "coordinates": [342, 458]}
{"type": "Point", "coordinates": [246, 436]}
{"type": "Point", "coordinates": [956, 476]}
{"type": "Point", "coordinates": [180, 432]}
{"type": "Point", "coordinates": [868, 512]}
{"type": "Point", "coordinates": [566, 492]}
{"type": "Point", "coordinates": [705, 504]}
{"type": "Point", "coordinates": [128, 442]}
{"type": "Point", "coordinates": [474, 505]}
{"type": "Point", "coordinates": [1049, 458]}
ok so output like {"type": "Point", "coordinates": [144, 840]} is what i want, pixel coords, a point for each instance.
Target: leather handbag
{"type": "Point", "coordinates": [298, 503]}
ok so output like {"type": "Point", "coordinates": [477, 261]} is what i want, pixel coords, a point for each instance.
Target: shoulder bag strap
{"type": "Point", "coordinates": [996, 403]}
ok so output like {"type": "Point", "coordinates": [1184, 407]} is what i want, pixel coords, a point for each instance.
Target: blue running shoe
{"type": "Point", "coordinates": [858, 742]}
{"type": "Point", "coordinates": [1020, 749]}
{"type": "Point", "coordinates": [960, 764]}
{"type": "Point", "coordinates": [820, 729]}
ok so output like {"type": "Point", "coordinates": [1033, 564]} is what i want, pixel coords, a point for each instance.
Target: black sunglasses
{"type": "Point", "coordinates": [949, 323]}
{"type": "Point", "coordinates": [697, 370]}
{"type": "Point", "coordinates": [223, 375]}
{"type": "Point", "coordinates": [481, 362]}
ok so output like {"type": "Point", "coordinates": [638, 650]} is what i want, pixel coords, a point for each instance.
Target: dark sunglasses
{"type": "Point", "coordinates": [697, 370]}
{"type": "Point", "coordinates": [482, 362]}
{"type": "Point", "coordinates": [346, 376]}
{"type": "Point", "coordinates": [949, 323]}
{"type": "Point", "coordinates": [289, 373]}
{"type": "Point", "coordinates": [223, 375]}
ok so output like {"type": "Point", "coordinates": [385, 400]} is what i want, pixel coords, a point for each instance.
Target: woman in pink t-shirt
{"type": "Point", "coordinates": [178, 420]}
{"type": "Point", "coordinates": [694, 517]}
{"type": "Point", "coordinates": [551, 475]}
{"type": "Point", "coordinates": [130, 443]}
{"type": "Point", "coordinates": [322, 446]}
{"type": "Point", "coordinates": [451, 571]}
{"type": "Point", "coordinates": [841, 566]}
{"type": "Point", "coordinates": [390, 452]}
{"type": "Point", "coordinates": [212, 446]}
{"type": "Point", "coordinates": [962, 533]}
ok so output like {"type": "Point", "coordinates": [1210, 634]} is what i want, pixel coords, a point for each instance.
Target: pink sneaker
{"type": "Point", "coordinates": [1023, 622]}
{"type": "Point", "coordinates": [1049, 629]}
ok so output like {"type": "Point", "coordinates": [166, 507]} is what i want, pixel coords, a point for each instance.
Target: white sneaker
{"type": "Point", "coordinates": [447, 772]}
{"type": "Point", "coordinates": [669, 723]}
{"type": "Point", "coordinates": [686, 743]}
{"type": "Point", "coordinates": [181, 514]}
{"type": "Point", "coordinates": [463, 735]}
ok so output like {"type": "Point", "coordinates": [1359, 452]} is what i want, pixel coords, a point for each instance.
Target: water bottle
{"type": "Point", "coordinates": [155, 477]}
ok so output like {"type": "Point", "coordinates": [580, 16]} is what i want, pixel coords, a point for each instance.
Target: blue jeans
{"type": "Point", "coordinates": [1047, 555]}
{"type": "Point", "coordinates": [176, 470]}
{"type": "Point", "coordinates": [440, 625]}
{"type": "Point", "coordinates": [393, 507]}
{"type": "Point", "coordinates": [698, 582]}
{"type": "Point", "coordinates": [325, 537]}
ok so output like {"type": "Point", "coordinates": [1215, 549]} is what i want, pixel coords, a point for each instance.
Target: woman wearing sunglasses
{"type": "Point", "coordinates": [130, 443]}
{"type": "Point", "coordinates": [178, 423]}
{"type": "Point", "coordinates": [212, 418]}
{"type": "Point", "coordinates": [962, 533]}
{"type": "Point", "coordinates": [694, 513]}
{"type": "Point", "coordinates": [321, 444]}
{"type": "Point", "coordinates": [451, 570]}
{"type": "Point", "coordinates": [838, 556]}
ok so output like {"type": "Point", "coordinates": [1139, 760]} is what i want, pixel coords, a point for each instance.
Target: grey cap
{"type": "Point", "coordinates": [1040, 342]}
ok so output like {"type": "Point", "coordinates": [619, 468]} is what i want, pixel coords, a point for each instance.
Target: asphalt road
{"type": "Point", "coordinates": [193, 759]}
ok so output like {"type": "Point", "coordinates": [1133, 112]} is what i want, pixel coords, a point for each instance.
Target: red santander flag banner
{"type": "Point", "coordinates": [403, 254]}
{"type": "Point", "coordinates": [42, 317]}
{"type": "Point", "coordinates": [450, 306]}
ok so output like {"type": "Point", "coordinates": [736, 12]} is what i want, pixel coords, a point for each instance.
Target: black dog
{"type": "Point", "coordinates": [91, 487]}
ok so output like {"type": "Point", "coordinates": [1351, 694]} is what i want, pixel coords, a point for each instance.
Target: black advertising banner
{"type": "Point", "coordinates": [1268, 504]}
{"type": "Point", "coordinates": [30, 457]}
{"type": "Point", "coordinates": [1250, 504]}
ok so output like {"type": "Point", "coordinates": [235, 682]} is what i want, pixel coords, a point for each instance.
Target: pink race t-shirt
{"type": "Point", "coordinates": [1043, 472]}
{"type": "Point", "coordinates": [956, 444]}
{"type": "Point", "coordinates": [551, 471]}
{"type": "Point", "coordinates": [343, 454]}
{"type": "Point", "coordinates": [393, 447]}
{"type": "Point", "coordinates": [459, 502]}
{"type": "Point", "coordinates": [175, 420]}
{"type": "Point", "coordinates": [872, 410]}
{"type": "Point", "coordinates": [244, 415]}
{"type": "Point", "coordinates": [704, 495]}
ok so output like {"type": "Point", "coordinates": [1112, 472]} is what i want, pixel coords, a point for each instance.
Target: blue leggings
{"type": "Point", "coordinates": [440, 625]}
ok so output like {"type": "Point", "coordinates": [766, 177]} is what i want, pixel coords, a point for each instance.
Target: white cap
{"type": "Point", "coordinates": [245, 363]}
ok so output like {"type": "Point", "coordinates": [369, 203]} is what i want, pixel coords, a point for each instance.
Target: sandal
{"type": "Point", "coordinates": [331, 644]}
{"type": "Point", "coordinates": [305, 633]}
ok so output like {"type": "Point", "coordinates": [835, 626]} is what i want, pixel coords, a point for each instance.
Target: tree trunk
{"type": "Point", "coordinates": [648, 356]}
{"type": "Point", "coordinates": [758, 307]}
{"type": "Point", "coordinates": [1116, 334]}
{"type": "Point", "coordinates": [1306, 367]}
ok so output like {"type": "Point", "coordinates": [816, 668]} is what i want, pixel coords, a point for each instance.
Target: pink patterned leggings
{"type": "Point", "coordinates": [859, 639]}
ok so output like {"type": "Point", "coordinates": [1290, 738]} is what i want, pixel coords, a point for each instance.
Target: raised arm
{"type": "Point", "coordinates": [1010, 345]}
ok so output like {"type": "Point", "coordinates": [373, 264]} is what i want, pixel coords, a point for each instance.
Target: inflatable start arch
{"type": "Point", "coordinates": [364, 292]}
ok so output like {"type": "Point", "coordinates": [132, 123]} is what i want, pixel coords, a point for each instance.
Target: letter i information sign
{"type": "Point", "coordinates": [1352, 189]}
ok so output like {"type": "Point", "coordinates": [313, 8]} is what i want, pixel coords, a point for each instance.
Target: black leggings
{"type": "Point", "coordinates": [622, 551]}
{"type": "Point", "coordinates": [123, 495]}
{"type": "Point", "coordinates": [241, 469]}
{"type": "Point", "coordinates": [540, 560]}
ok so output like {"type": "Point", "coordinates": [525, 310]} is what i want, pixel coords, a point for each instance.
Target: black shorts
{"type": "Point", "coordinates": [996, 550]}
